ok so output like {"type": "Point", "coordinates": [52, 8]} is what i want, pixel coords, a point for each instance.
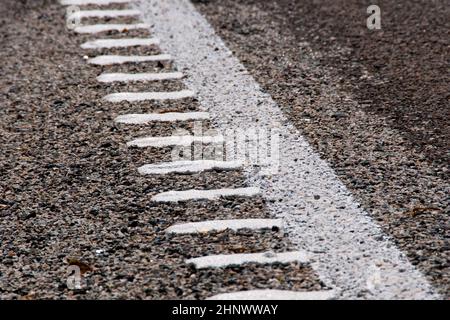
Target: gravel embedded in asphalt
{"type": "Point", "coordinates": [71, 194]}
{"type": "Point", "coordinates": [322, 66]}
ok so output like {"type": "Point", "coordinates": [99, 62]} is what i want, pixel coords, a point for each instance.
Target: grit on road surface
{"type": "Point", "coordinates": [374, 104]}
{"type": "Point", "coordinates": [319, 215]}
{"type": "Point", "coordinates": [71, 194]}
{"type": "Point", "coordinates": [71, 191]}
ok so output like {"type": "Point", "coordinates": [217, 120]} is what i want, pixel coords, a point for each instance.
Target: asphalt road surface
{"type": "Point", "coordinates": [354, 203]}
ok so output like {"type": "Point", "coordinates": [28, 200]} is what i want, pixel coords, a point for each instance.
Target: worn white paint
{"type": "Point", "coordinates": [226, 260]}
{"type": "Point", "coordinates": [128, 77]}
{"type": "Point", "coordinates": [114, 59]}
{"type": "Point", "coordinates": [221, 225]}
{"type": "Point", "coordinates": [119, 43]}
{"type": "Point", "coordinates": [159, 142]}
{"type": "Point", "coordinates": [142, 96]}
{"type": "Point", "coordinates": [267, 294]}
{"type": "Point", "coordinates": [214, 194]}
{"type": "Point", "coordinates": [188, 166]}
{"type": "Point", "coordinates": [161, 117]}
{"type": "Point", "coordinates": [97, 28]}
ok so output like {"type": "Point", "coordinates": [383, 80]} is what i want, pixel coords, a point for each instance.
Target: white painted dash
{"type": "Point", "coordinates": [225, 260]}
{"type": "Point", "coordinates": [96, 28]}
{"type": "Point", "coordinates": [189, 166]}
{"type": "Point", "coordinates": [127, 77]}
{"type": "Point", "coordinates": [161, 117]}
{"type": "Point", "coordinates": [267, 294]}
{"type": "Point", "coordinates": [97, 2]}
{"type": "Point", "coordinates": [104, 13]}
{"type": "Point", "coordinates": [159, 142]}
{"type": "Point", "coordinates": [215, 194]}
{"type": "Point", "coordinates": [119, 43]}
{"type": "Point", "coordinates": [142, 96]}
{"type": "Point", "coordinates": [113, 59]}
{"type": "Point", "coordinates": [221, 225]}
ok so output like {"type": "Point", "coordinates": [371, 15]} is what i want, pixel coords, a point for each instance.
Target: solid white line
{"type": "Point", "coordinates": [161, 117]}
{"type": "Point", "coordinates": [104, 13]}
{"type": "Point", "coordinates": [117, 43]}
{"type": "Point", "coordinates": [221, 225]}
{"type": "Point", "coordinates": [96, 28]}
{"type": "Point", "coordinates": [351, 251]}
{"type": "Point", "coordinates": [188, 166]}
{"type": "Point", "coordinates": [159, 142]}
{"type": "Point", "coordinates": [215, 194]}
{"type": "Point", "coordinates": [142, 96]}
{"type": "Point", "coordinates": [97, 2]}
{"type": "Point", "coordinates": [225, 260]}
{"type": "Point", "coordinates": [127, 77]}
{"type": "Point", "coordinates": [112, 59]}
{"type": "Point", "coordinates": [267, 294]}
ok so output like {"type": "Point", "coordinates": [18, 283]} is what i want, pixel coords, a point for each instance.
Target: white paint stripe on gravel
{"type": "Point", "coordinates": [267, 294]}
{"type": "Point", "coordinates": [159, 142]}
{"type": "Point", "coordinates": [225, 260]}
{"type": "Point", "coordinates": [221, 225]}
{"type": "Point", "coordinates": [96, 28]}
{"type": "Point", "coordinates": [113, 59]}
{"type": "Point", "coordinates": [142, 96]}
{"type": "Point", "coordinates": [351, 251]}
{"type": "Point", "coordinates": [161, 117]}
{"type": "Point", "coordinates": [119, 43]}
{"type": "Point", "coordinates": [97, 2]}
{"type": "Point", "coordinates": [127, 77]}
{"type": "Point", "coordinates": [189, 166]}
{"type": "Point", "coordinates": [215, 194]}
{"type": "Point", "coordinates": [104, 13]}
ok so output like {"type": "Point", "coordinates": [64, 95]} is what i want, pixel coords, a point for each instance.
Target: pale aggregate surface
{"type": "Point", "coordinates": [221, 225]}
{"type": "Point", "coordinates": [268, 294]}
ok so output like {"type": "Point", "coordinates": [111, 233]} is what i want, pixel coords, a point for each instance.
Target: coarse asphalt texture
{"type": "Point", "coordinates": [373, 103]}
{"type": "Point", "coordinates": [70, 192]}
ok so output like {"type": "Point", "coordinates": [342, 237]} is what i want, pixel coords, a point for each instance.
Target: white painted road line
{"type": "Point", "coordinates": [113, 59]}
{"type": "Point", "coordinates": [161, 117]}
{"type": "Point", "coordinates": [320, 215]}
{"type": "Point", "coordinates": [226, 260]}
{"type": "Point", "coordinates": [215, 194]}
{"type": "Point", "coordinates": [96, 28]}
{"type": "Point", "coordinates": [127, 77]}
{"type": "Point", "coordinates": [184, 167]}
{"type": "Point", "coordinates": [221, 225]}
{"type": "Point", "coordinates": [119, 43]}
{"type": "Point", "coordinates": [267, 294]}
{"type": "Point", "coordinates": [104, 13]}
{"type": "Point", "coordinates": [97, 2]}
{"type": "Point", "coordinates": [159, 142]}
{"type": "Point", "coordinates": [142, 96]}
